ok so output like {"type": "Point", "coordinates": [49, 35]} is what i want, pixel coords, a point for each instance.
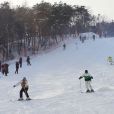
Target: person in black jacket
{"type": "Point", "coordinates": [28, 60]}
{"type": "Point", "coordinates": [0, 65]}
{"type": "Point", "coordinates": [20, 62]}
{"type": "Point", "coordinates": [17, 67]}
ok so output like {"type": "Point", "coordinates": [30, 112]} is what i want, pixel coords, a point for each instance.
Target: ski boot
{"type": "Point", "coordinates": [28, 98]}
{"type": "Point", "coordinates": [92, 90]}
{"type": "Point", "coordinates": [20, 99]}
{"type": "Point", "coordinates": [88, 91]}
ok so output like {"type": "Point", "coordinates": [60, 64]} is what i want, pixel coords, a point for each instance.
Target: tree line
{"type": "Point", "coordinates": [40, 27]}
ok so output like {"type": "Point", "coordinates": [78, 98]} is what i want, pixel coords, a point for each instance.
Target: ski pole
{"type": "Point", "coordinates": [80, 87]}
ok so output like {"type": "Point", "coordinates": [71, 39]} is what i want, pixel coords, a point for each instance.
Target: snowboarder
{"type": "Point", "coordinates": [110, 60]}
{"type": "Point", "coordinates": [87, 78]}
{"type": "Point", "coordinates": [20, 62]}
{"type": "Point", "coordinates": [24, 85]}
{"type": "Point", "coordinates": [28, 60]}
{"type": "Point", "coordinates": [17, 67]}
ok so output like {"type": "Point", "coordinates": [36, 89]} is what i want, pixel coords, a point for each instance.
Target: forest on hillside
{"type": "Point", "coordinates": [44, 25]}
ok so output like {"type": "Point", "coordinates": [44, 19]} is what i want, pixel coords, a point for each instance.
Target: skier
{"type": "Point", "coordinates": [20, 62]}
{"type": "Point", "coordinates": [28, 60]}
{"type": "Point", "coordinates": [87, 78]}
{"type": "Point", "coordinates": [110, 60]}
{"type": "Point", "coordinates": [17, 67]}
{"type": "Point", "coordinates": [0, 65]}
{"type": "Point", "coordinates": [64, 46]}
{"type": "Point", "coordinates": [93, 37]}
{"type": "Point", "coordinates": [24, 85]}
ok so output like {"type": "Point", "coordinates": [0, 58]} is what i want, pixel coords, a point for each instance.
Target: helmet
{"type": "Point", "coordinates": [24, 78]}
{"type": "Point", "coordinates": [86, 71]}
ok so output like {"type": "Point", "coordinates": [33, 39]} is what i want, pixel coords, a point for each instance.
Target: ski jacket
{"type": "Point", "coordinates": [110, 59]}
{"type": "Point", "coordinates": [86, 76]}
{"type": "Point", "coordinates": [24, 84]}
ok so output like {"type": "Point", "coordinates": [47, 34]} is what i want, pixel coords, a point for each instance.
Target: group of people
{"type": "Point", "coordinates": [24, 83]}
{"type": "Point", "coordinates": [19, 63]}
{"type": "Point", "coordinates": [4, 67]}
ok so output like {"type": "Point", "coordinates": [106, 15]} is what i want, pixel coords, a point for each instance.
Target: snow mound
{"type": "Point", "coordinates": [89, 34]}
{"type": "Point", "coordinates": [105, 89]}
{"type": "Point", "coordinates": [49, 94]}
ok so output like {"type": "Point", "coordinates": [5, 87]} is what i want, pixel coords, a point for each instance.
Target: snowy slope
{"type": "Point", "coordinates": [54, 83]}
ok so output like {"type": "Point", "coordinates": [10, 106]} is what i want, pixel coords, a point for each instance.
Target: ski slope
{"type": "Point", "coordinates": [54, 84]}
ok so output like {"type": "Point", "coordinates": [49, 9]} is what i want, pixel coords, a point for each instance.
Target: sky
{"type": "Point", "coordinates": [103, 7]}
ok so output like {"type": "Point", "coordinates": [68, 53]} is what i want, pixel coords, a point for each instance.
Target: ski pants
{"type": "Point", "coordinates": [16, 70]}
{"type": "Point", "coordinates": [88, 85]}
{"type": "Point", "coordinates": [28, 63]}
{"type": "Point", "coordinates": [25, 91]}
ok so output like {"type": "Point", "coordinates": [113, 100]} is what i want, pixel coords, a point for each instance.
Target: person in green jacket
{"type": "Point", "coordinates": [110, 60]}
{"type": "Point", "coordinates": [87, 78]}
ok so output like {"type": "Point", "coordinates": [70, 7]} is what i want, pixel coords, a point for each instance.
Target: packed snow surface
{"type": "Point", "coordinates": [53, 81]}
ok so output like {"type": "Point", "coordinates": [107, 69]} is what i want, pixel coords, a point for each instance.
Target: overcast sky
{"type": "Point", "coordinates": [103, 7]}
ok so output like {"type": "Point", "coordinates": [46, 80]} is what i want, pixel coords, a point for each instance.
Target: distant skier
{"type": "Point", "coordinates": [28, 60]}
{"type": "Point", "coordinates": [87, 78]}
{"type": "Point", "coordinates": [20, 62]}
{"type": "Point", "coordinates": [64, 46]}
{"type": "Point", "coordinates": [17, 67]}
{"type": "Point", "coordinates": [5, 69]}
{"type": "Point", "coordinates": [80, 37]}
{"type": "Point", "coordinates": [24, 85]}
{"type": "Point", "coordinates": [93, 37]}
{"type": "Point", "coordinates": [110, 60]}
{"type": "Point", "coordinates": [0, 65]}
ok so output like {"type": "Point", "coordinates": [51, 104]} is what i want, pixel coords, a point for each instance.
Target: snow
{"type": "Point", "coordinates": [54, 84]}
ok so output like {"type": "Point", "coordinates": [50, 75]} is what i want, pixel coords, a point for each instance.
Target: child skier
{"type": "Point", "coordinates": [87, 78]}
{"type": "Point", "coordinates": [24, 85]}
{"type": "Point", "coordinates": [110, 60]}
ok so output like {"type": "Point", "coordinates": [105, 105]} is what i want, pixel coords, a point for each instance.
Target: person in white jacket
{"type": "Point", "coordinates": [24, 85]}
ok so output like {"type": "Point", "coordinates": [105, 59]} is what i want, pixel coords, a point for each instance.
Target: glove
{"type": "Point", "coordinates": [80, 77]}
{"type": "Point", "coordinates": [91, 77]}
{"type": "Point", "coordinates": [14, 86]}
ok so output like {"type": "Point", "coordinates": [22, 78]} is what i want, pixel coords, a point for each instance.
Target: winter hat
{"type": "Point", "coordinates": [86, 71]}
{"type": "Point", "coordinates": [24, 78]}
